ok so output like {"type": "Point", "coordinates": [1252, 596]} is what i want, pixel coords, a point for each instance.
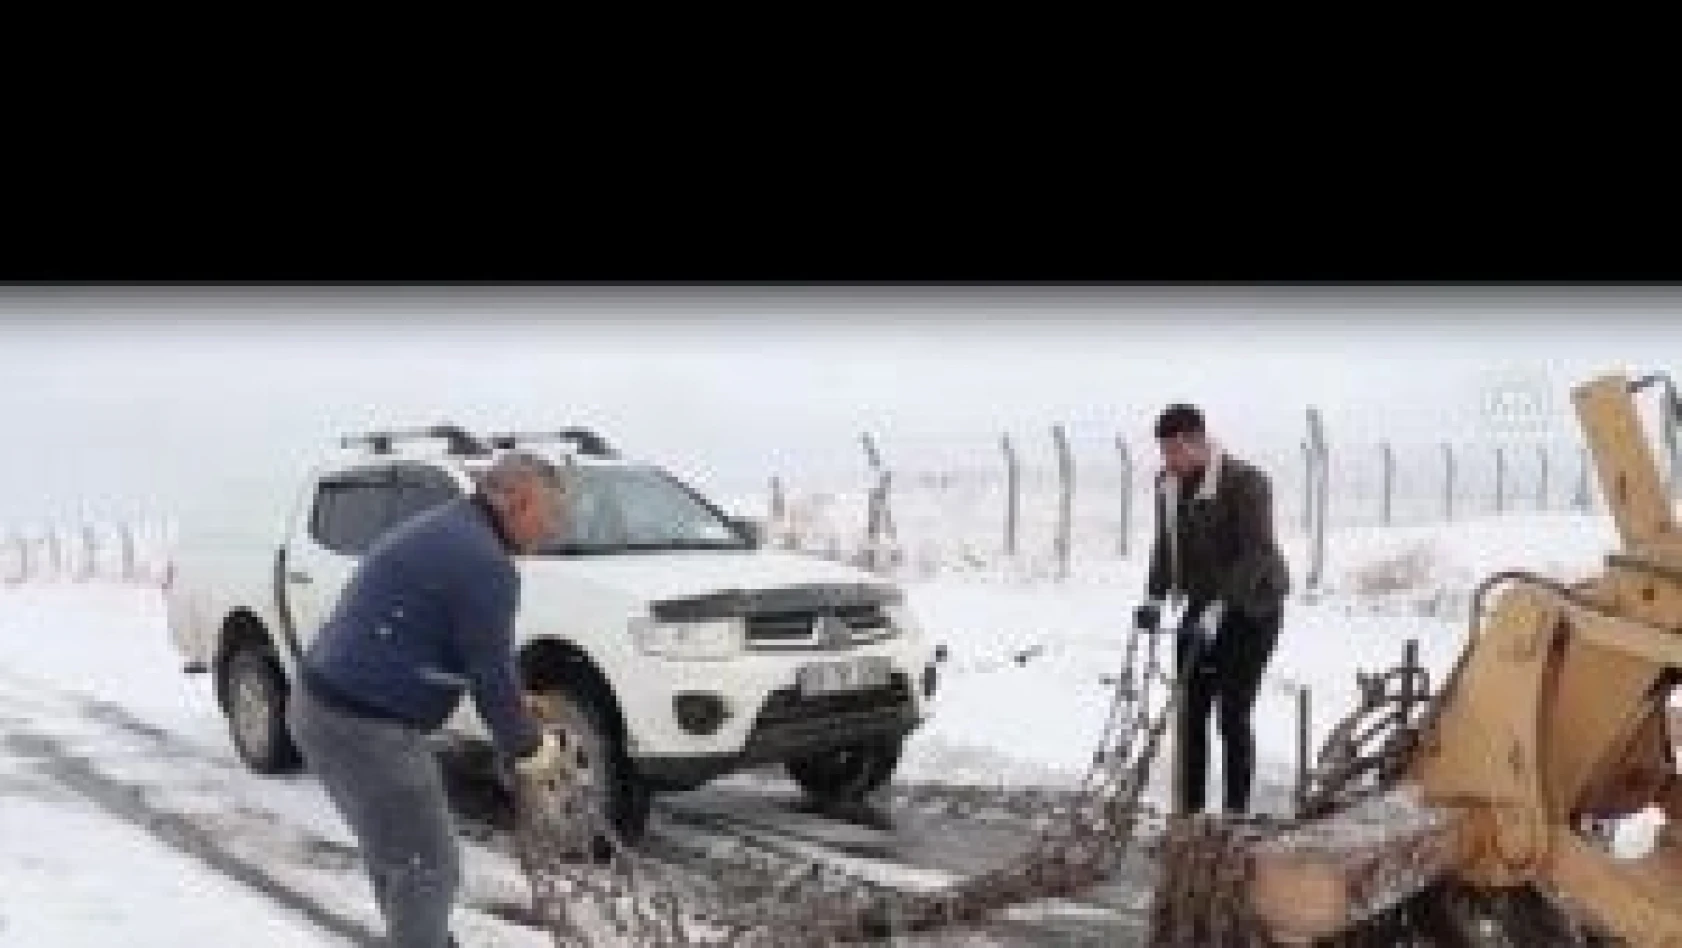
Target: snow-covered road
{"type": "Point", "coordinates": [111, 758]}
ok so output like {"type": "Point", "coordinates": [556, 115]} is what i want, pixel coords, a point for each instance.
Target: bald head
{"type": "Point", "coordinates": [527, 493]}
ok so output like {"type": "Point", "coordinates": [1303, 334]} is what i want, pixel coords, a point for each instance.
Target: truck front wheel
{"type": "Point", "coordinates": [254, 690]}
{"type": "Point", "coordinates": [607, 784]}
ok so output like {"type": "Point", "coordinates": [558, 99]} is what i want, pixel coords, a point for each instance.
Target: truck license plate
{"type": "Point", "coordinates": [831, 677]}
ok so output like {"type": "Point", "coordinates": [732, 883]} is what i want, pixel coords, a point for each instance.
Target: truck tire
{"type": "Point", "coordinates": [846, 773]}
{"type": "Point", "coordinates": [255, 693]}
{"type": "Point", "coordinates": [612, 786]}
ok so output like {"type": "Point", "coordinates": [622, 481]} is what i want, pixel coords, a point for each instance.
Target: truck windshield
{"type": "Point", "coordinates": [636, 509]}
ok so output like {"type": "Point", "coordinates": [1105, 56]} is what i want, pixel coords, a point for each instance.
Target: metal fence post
{"type": "Point", "coordinates": [879, 521]}
{"type": "Point", "coordinates": [1500, 479]}
{"type": "Point", "coordinates": [1066, 494]}
{"type": "Point", "coordinates": [1303, 732]}
{"type": "Point", "coordinates": [1307, 487]}
{"type": "Point", "coordinates": [1013, 493]}
{"type": "Point", "coordinates": [1542, 477]}
{"type": "Point", "coordinates": [1321, 483]}
{"type": "Point", "coordinates": [1389, 480]}
{"type": "Point", "coordinates": [1126, 495]}
{"type": "Point", "coordinates": [88, 567]}
{"type": "Point", "coordinates": [125, 538]}
{"type": "Point", "coordinates": [779, 531]}
{"type": "Point", "coordinates": [1448, 481]}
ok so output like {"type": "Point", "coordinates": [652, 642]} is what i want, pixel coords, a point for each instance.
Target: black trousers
{"type": "Point", "coordinates": [1225, 682]}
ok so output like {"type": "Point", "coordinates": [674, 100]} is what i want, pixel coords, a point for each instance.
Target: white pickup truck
{"type": "Point", "coordinates": [656, 627]}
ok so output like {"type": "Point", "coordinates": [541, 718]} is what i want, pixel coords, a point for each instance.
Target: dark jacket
{"type": "Point", "coordinates": [1226, 544]}
{"type": "Point", "coordinates": [429, 615]}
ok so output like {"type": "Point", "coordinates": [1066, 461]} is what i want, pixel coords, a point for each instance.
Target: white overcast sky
{"type": "Point", "coordinates": [147, 400]}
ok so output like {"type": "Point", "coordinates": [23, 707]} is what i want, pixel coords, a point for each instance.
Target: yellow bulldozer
{"type": "Point", "coordinates": [1475, 814]}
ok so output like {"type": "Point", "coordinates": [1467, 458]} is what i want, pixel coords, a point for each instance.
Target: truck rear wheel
{"type": "Point", "coordinates": [254, 693]}
{"type": "Point", "coordinates": [847, 773]}
{"type": "Point", "coordinates": [610, 786]}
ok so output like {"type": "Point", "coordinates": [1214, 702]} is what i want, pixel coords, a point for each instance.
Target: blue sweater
{"type": "Point", "coordinates": [429, 615]}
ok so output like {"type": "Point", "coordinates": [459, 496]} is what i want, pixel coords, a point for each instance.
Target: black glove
{"type": "Point", "coordinates": [1198, 632]}
{"type": "Point", "coordinates": [1197, 653]}
{"type": "Point", "coordinates": [1148, 617]}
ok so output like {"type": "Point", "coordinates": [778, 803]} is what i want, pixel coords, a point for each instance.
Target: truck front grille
{"type": "Point", "coordinates": [803, 630]}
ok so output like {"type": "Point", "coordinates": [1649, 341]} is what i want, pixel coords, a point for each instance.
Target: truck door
{"type": "Point", "coordinates": [351, 510]}
{"type": "Point", "coordinates": [339, 525]}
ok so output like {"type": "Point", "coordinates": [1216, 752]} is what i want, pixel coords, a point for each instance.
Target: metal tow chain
{"type": "Point", "coordinates": [781, 901]}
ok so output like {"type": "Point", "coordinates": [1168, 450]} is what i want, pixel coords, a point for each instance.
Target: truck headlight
{"type": "Point", "coordinates": [693, 641]}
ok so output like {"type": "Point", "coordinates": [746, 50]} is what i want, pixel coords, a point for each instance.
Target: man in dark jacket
{"type": "Point", "coordinates": [1215, 552]}
{"type": "Point", "coordinates": [427, 617]}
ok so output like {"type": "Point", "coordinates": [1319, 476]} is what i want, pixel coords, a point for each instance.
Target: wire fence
{"type": "Point", "coordinates": [131, 551]}
{"type": "Point", "coordinates": [1038, 504]}
{"type": "Point", "coordinates": [1039, 501]}
{"type": "Point", "coordinates": [1048, 500]}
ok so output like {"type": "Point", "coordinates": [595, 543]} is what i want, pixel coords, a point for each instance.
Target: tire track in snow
{"type": "Point", "coordinates": [217, 838]}
{"type": "Point", "coordinates": [1057, 921]}
{"type": "Point", "coordinates": [128, 802]}
{"type": "Point", "coordinates": [188, 808]}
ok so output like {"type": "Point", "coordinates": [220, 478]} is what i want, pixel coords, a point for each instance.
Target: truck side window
{"type": "Point", "coordinates": [417, 489]}
{"type": "Point", "coordinates": [349, 513]}
{"type": "Point", "coordinates": [590, 520]}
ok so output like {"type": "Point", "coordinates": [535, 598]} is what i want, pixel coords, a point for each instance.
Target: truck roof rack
{"type": "Point", "coordinates": [584, 440]}
{"type": "Point", "coordinates": [380, 442]}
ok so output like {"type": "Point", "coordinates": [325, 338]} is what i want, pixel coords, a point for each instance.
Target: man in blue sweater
{"type": "Point", "coordinates": [428, 616]}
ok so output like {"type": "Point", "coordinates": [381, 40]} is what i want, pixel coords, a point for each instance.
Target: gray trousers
{"type": "Point", "coordinates": [385, 782]}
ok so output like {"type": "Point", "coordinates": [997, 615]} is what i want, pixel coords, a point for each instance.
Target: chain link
{"type": "Point", "coordinates": [775, 899]}
{"type": "Point", "coordinates": [758, 896]}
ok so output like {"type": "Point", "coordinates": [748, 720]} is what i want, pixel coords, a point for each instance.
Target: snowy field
{"type": "Point", "coordinates": [1022, 701]}
{"type": "Point", "coordinates": [1038, 720]}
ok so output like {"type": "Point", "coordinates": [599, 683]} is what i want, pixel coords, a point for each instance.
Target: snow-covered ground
{"type": "Point", "coordinates": [75, 877]}
{"type": "Point", "coordinates": [1022, 700]}
{"type": "Point", "coordinates": [997, 719]}
{"type": "Point", "coordinates": [93, 700]}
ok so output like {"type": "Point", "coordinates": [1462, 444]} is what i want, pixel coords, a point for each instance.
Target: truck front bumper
{"type": "Point", "coordinates": [790, 724]}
